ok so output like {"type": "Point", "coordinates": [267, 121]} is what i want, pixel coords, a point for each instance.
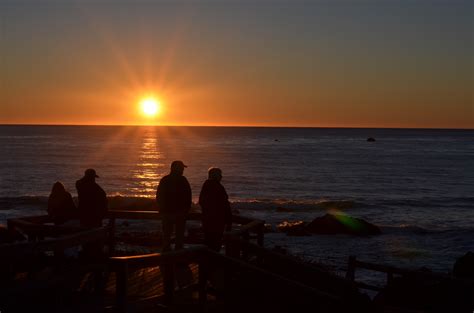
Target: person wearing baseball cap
{"type": "Point", "coordinates": [92, 209]}
{"type": "Point", "coordinates": [173, 197]}
{"type": "Point", "coordinates": [92, 200]}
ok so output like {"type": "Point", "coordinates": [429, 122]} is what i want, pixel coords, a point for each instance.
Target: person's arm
{"type": "Point", "coordinates": [50, 206]}
{"type": "Point", "coordinates": [71, 207]}
{"type": "Point", "coordinates": [188, 195]}
{"type": "Point", "coordinates": [203, 196]}
{"type": "Point", "coordinates": [227, 211]}
{"type": "Point", "coordinates": [70, 203]}
{"type": "Point", "coordinates": [104, 203]}
{"type": "Point", "coordinates": [159, 196]}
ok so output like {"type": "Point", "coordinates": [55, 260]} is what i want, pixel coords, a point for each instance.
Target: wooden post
{"type": "Point", "coordinates": [32, 237]}
{"type": "Point", "coordinates": [260, 232]}
{"type": "Point", "coordinates": [351, 267]}
{"type": "Point", "coordinates": [121, 288]}
{"type": "Point", "coordinates": [168, 282]}
{"type": "Point", "coordinates": [112, 236]}
{"type": "Point", "coordinates": [245, 250]}
{"type": "Point", "coordinates": [202, 283]}
{"type": "Point", "coordinates": [228, 244]}
{"type": "Point", "coordinates": [232, 247]}
{"type": "Point", "coordinates": [389, 277]}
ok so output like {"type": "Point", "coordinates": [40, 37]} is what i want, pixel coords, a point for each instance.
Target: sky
{"type": "Point", "coordinates": [380, 63]}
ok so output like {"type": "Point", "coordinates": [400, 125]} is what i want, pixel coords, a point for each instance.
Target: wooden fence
{"type": "Point", "coordinates": [391, 271]}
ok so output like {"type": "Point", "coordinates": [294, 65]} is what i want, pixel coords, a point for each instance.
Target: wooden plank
{"type": "Point", "coordinates": [253, 225]}
{"type": "Point", "coordinates": [225, 260]}
{"type": "Point", "coordinates": [131, 215]}
{"type": "Point", "coordinates": [21, 249]}
{"type": "Point", "coordinates": [403, 271]}
{"type": "Point", "coordinates": [193, 254]}
{"type": "Point", "coordinates": [351, 268]}
{"type": "Point", "coordinates": [33, 226]}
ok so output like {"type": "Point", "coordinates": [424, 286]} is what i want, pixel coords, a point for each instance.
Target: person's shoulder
{"type": "Point", "coordinates": [79, 182]}
{"type": "Point", "coordinates": [207, 183]}
{"type": "Point", "coordinates": [184, 180]}
{"type": "Point", "coordinates": [165, 178]}
{"type": "Point", "coordinates": [211, 185]}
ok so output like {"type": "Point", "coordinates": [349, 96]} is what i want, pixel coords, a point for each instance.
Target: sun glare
{"type": "Point", "coordinates": [150, 107]}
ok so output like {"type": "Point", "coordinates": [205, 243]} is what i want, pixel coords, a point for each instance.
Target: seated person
{"type": "Point", "coordinates": [61, 207]}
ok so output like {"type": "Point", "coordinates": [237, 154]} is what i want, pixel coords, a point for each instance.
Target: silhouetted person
{"type": "Point", "coordinates": [92, 209]}
{"type": "Point", "coordinates": [216, 213]}
{"type": "Point", "coordinates": [92, 200]}
{"type": "Point", "coordinates": [61, 207]}
{"type": "Point", "coordinates": [173, 196]}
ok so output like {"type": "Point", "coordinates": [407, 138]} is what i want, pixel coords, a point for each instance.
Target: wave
{"type": "Point", "coordinates": [284, 205]}
{"type": "Point", "coordinates": [117, 201]}
{"type": "Point", "coordinates": [404, 228]}
{"type": "Point", "coordinates": [417, 230]}
{"type": "Point", "coordinates": [7, 203]}
{"type": "Point", "coordinates": [277, 205]}
{"type": "Point", "coordinates": [428, 202]}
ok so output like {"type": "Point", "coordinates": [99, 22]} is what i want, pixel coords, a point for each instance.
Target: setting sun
{"type": "Point", "coordinates": [150, 106]}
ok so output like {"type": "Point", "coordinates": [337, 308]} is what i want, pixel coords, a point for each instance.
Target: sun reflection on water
{"type": "Point", "coordinates": [149, 169]}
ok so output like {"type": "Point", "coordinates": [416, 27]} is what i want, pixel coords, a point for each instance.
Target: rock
{"type": "Point", "coordinates": [371, 139]}
{"type": "Point", "coordinates": [9, 236]}
{"type": "Point", "coordinates": [342, 224]}
{"type": "Point", "coordinates": [280, 250]}
{"type": "Point", "coordinates": [464, 266]}
{"type": "Point", "coordinates": [297, 228]}
{"type": "Point", "coordinates": [409, 291]}
{"type": "Point", "coordinates": [125, 223]}
{"type": "Point", "coordinates": [425, 293]}
{"type": "Point", "coordinates": [268, 228]}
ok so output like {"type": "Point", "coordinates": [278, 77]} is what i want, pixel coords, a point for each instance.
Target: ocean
{"type": "Point", "coordinates": [416, 184]}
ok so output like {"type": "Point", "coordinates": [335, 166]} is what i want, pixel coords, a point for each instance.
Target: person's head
{"type": "Point", "coordinates": [58, 187]}
{"type": "Point", "coordinates": [177, 167]}
{"type": "Point", "coordinates": [90, 174]}
{"type": "Point", "coordinates": [215, 173]}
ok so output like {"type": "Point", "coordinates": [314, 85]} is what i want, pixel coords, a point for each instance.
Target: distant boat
{"type": "Point", "coordinates": [371, 139]}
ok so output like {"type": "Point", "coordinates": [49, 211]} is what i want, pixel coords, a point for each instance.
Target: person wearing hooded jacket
{"type": "Point", "coordinates": [216, 212]}
{"type": "Point", "coordinates": [61, 207]}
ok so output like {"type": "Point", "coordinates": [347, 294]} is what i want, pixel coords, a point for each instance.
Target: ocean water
{"type": "Point", "coordinates": [417, 185]}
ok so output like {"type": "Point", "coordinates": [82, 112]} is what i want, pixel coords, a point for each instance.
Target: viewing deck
{"type": "Point", "coordinates": [246, 277]}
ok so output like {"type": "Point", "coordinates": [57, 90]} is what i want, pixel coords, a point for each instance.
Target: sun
{"type": "Point", "coordinates": [150, 106]}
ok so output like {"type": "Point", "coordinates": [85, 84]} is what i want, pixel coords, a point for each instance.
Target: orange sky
{"type": "Point", "coordinates": [208, 65]}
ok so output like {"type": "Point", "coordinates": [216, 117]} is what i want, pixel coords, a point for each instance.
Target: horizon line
{"type": "Point", "coordinates": [234, 126]}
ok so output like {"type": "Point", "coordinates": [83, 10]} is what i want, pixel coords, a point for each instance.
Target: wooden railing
{"type": "Point", "coordinates": [273, 288]}
{"type": "Point", "coordinates": [203, 256]}
{"type": "Point", "coordinates": [391, 271]}
{"type": "Point", "coordinates": [290, 267]}
{"type": "Point", "coordinates": [19, 250]}
{"type": "Point", "coordinates": [124, 265]}
{"type": "Point", "coordinates": [249, 229]}
{"type": "Point", "coordinates": [36, 229]}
